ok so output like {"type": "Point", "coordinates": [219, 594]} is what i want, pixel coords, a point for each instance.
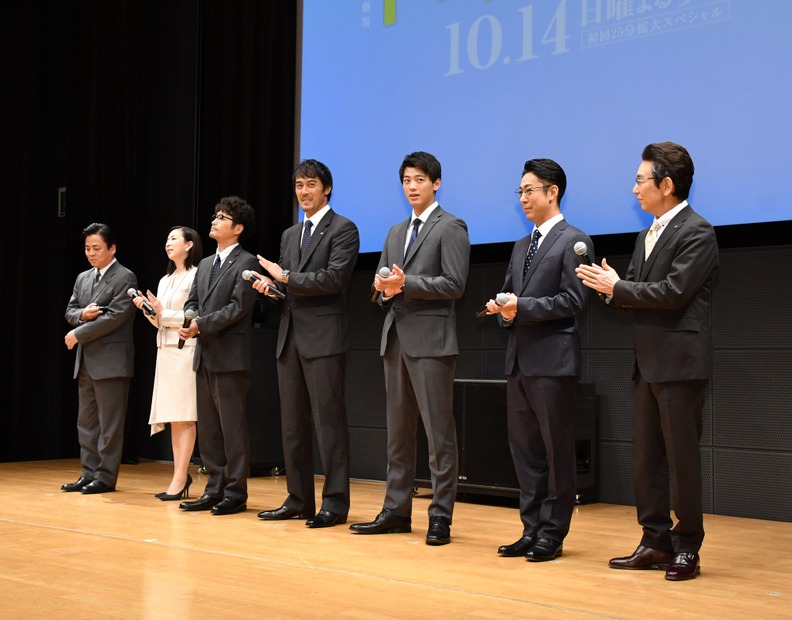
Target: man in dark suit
{"type": "Point", "coordinates": [545, 297]}
{"type": "Point", "coordinates": [101, 313]}
{"type": "Point", "coordinates": [668, 287]}
{"type": "Point", "coordinates": [223, 302]}
{"type": "Point", "coordinates": [419, 349]}
{"type": "Point", "coordinates": [317, 258]}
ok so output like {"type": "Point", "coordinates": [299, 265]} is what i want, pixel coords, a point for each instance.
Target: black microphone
{"type": "Point", "coordinates": [249, 276]}
{"type": "Point", "coordinates": [189, 315]}
{"type": "Point", "coordinates": [385, 273]}
{"type": "Point", "coordinates": [582, 251]}
{"type": "Point", "coordinates": [500, 299]}
{"type": "Point", "coordinates": [146, 306]}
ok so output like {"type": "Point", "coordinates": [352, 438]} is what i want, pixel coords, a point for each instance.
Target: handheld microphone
{"type": "Point", "coordinates": [582, 251]}
{"type": "Point", "coordinates": [500, 299]}
{"type": "Point", "coordinates": [385, 273]}
{"type": "Point", "coordinates": [146, 306]}
{"type": "Point", "coordinates": [189, 315]}
{"type": "Point", "coordinates": [249, 276]}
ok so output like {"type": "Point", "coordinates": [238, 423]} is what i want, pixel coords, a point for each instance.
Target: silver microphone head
{"type": "Point", "coordinates": [247, 274]}
{"type": "Point", "coordinates": [501, 298]}
{"type": "Point", "coordinates": [132, 293]}
{"type": "Point", "coordinates": [580, 248]}
{"type": "Point", "coordinates": [385, 272]}
{"type": "Point", "coordinates": [189, 314]}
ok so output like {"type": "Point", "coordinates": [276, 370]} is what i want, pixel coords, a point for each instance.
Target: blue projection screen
{"type": "Point", "coordinates": [488, 84]}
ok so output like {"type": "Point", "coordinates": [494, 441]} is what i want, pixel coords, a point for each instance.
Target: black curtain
{"type": "Point", "coordinates": [148, 112]}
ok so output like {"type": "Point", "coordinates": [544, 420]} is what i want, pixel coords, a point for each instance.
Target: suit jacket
{"type": "Point", "coordinates": [436, 271]}
{"type": "Point", "coordinates": [225, 313]}
{"type": "Point", "coordinates": [315, 304]}
{"type": "Point", "coordinates": [105, 345]}
{"type": "Point", "coordinates": [669, 295]}
{"type": "Point", "coordinates": [544, 339]}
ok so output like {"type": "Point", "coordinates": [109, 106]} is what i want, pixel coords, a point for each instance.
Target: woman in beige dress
{"type": "Point", "coordinates": [173, 397]}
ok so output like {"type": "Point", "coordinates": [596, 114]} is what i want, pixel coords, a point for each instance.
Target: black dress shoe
{"type": "Point", "coordinates": [96, 486]}
{"type": "Point", "coordinates": [326, 518]}
{"type": "Point", "coordinates": [517, 549]}
{"type": "Point", "coordinates": [683, 566]}
{"type": "Point", "coordinates": [544, 549]}
{"type": "Point", "coordinates": [205, 502]}
{"type": "Point", "coordinates": [283, 513]}
{"type": "Point", "coordinates": [385, 523]}
{"type": "Point", "coordinates": [82, 481]}
{"type": "Point", "coordinates": [439, 532]}
{"type": "Point", "coordinates": [229, 505]}
{"type": "Point", "coordinates": [644, 558]}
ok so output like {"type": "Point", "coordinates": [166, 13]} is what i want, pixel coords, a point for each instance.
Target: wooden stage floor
{"type": "Point", "coordinates": [128, 555]}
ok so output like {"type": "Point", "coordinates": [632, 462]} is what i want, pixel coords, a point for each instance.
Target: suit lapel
{"type": "Point", "coordinates": [106, 280]}
{"type": "Point", "coordinates": [544, 247]}
{"type": "Point", "coordinates": [668, 233]}
{"type": "Point", "coordinates": [425, 231]}
{"type": "Point", "coordinates": [227, 263]}
{"type": "Point", "coordinates": [316, 239]}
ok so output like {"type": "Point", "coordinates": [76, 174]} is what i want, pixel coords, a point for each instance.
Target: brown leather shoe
{"type": "Point", "coordinates": [684, 566]}
{"type": "Point", "coordinates": [644, 558]}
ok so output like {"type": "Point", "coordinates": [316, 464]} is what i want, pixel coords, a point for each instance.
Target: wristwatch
{"type": "Point", "coordinates": [285, 276]}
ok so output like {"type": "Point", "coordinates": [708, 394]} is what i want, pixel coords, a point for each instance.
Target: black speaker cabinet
{"type": "Point", "coordinates": [485, 463]}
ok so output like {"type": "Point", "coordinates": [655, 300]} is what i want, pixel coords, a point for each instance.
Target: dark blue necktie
{"type": "Point", "coordinates": [215, 270]}
{"type": "Point", "coordinates": [306, 237]}
{"type": "Point", "coordinates": [416, 227]}
{"type": "Point", "coordinates": [531, 252]}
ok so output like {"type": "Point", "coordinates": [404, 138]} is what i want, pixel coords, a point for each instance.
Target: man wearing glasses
{"type": "Point", "coordinates": [223, 303]}
{"type": "Point", "coordinates": [543, 362]}
{"type": "Point", "coordinates": [668, 287]}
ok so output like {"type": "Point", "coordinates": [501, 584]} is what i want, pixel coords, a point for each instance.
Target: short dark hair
{"type": "Point", "coordinates": [103, 230]}
{"type": "Point", "coordinates": [239, 211]}
{"type": "Point", "coordinates": [423, 161]}
{"type": "Point", "coordinates": [673, 161]}
{"type": "Point", "coordinates": [549, 172]}
{"type": "Point", "coordinates": [194, 254]}
{"type": "Point", "coordinates": [313, 169]}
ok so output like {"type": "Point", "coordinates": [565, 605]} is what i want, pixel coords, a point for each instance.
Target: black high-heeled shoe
{"type": "Point", "coordinates": [184, 493]}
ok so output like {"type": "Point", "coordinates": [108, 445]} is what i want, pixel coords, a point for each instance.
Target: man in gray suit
{"type": "Point", "coordinates": [317, 258]}
{"type": "Point", "coordinates": [545, 297]}
{"type": "Point", "coordinates": [668, 288]}
{"type": "Point", "coordinates": [101, 313]}
{"type": "Point", "coordinates": [223, 302]}
{"type": "Point", "coordinates": [419, 349]}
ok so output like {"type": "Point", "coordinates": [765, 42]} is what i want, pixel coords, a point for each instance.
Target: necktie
{"type": "Point", "coordinates": [416, 226]}
{"type": "Point", "coordinates": [306, 236]}
{"type": "Point", "coordinates": [97, 277]}
{"type": "Point", "coordinates": [651, 238]}
{"type": "Point", "coordinates": [215, 270]}
{"type": "Point", "coordinates": [531, 252]}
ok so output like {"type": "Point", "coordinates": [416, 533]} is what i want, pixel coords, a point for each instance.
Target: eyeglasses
{"type": "Point", "coordinates": [221, 217]}
{"type": "Point", "coordinates": [640, 180]}
{"type": "Point", "coordinates": [529, 190]}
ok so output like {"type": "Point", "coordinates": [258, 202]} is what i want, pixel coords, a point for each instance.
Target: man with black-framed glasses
{"type": "Point", "coordinates": [223, 303]}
